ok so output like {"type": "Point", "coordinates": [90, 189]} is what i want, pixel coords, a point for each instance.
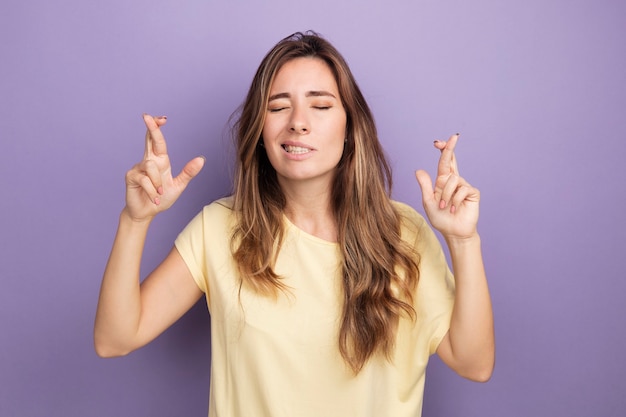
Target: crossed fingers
{"type": "Point", "coordinates": [450, 188]}
{"type": "Point", "coordinates": [155, 142]}
{"type": "Point", "coordinates": [447, 161]}
{"type": "Point", "coordinates": [147, 173]}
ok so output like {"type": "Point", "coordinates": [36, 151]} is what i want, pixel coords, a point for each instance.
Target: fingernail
{"type": "Point", "coordinates": [452, 209]}
{"type": "Point", "coordinates": [160, 190]}
{"type": "Point", "coordinates": [157, 200]}
{"type": "Point", "coordinates": [442, 204]}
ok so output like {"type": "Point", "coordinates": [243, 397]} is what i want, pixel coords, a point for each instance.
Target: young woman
{"type": "Point", "coordinates": [326, 297]}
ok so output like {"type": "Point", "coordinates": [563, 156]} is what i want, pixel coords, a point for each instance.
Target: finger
{"type": "Point", "coordinates": [136, 177]}
{"type": "Point", "coordinates": [426, 186]}
{"type": "Point", "coordinates": [449, 189]}
{"type": "Point", "coordinates": [190, 170]}
{"type": "Point", "coordinates": [465, 192]}
{"type": "Point", "coordinates": [155, 142]}
{"type": "Point", "coordinates": [150, 123]}
{"type": "Point", "coordinates": [460, 194]}
{"type": "Point", "coordinates": [160, 120]}
{"type": "Point", "coordinates": [148, 186]}
{"type": "Point", "coordinates": [441, 145]}
{"type": "Point", "coordinates": [152, 171]}
{"type": "Point", "coordinates": [447, 161]}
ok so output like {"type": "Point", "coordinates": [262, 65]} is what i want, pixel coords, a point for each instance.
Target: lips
{"type": "Point", "coordinates": [296, 150]}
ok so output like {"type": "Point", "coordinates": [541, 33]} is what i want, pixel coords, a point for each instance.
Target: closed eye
{"type": "Point", "coordinates": [276, 109]}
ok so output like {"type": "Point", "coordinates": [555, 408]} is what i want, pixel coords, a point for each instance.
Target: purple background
{"type": "Point", "coordinates": [537, 89]}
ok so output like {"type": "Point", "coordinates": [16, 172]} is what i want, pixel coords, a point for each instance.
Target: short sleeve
{"type": "Point", "coordinates": [190, 243]}
{"type": "Point", "coordinates": [204, 244]}
{"type": "Point", "coordinates": [434, 299]}
{"type": "Point", "coordinates": [436, 285]}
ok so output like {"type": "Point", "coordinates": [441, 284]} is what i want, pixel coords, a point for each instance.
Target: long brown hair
{"type": "Point", "coordinates": [379, 271]}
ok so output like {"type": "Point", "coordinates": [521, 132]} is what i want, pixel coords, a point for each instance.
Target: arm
{"type": "Point", "coordinates": [452, 208]}
{"type": "Point", "coordinates": [129, 315]}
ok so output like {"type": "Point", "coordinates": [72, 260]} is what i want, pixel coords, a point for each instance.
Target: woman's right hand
{"type": "Point", "coordinates": [150, 187]}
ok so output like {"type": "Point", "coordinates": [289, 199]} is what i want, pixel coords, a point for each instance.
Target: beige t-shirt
{"type": "Point", "coordinates": [280, 358]}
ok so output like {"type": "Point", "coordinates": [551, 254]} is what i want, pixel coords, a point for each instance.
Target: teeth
{"type": "Point", "coordinates": [296, 149]}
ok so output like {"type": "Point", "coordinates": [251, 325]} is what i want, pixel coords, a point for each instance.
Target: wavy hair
{"type": "Point", "coordinates": [379, 271]}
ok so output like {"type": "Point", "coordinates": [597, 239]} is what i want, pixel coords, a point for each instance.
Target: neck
{"type": "Point", "coordinates": [310, 210]}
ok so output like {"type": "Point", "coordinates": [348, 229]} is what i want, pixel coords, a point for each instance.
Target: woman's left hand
{"type": "Point", "coordinates": [452, 206]}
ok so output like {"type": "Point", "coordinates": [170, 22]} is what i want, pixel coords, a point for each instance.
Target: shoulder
{"type": "Point", "coordinates": [415, 230]}
{"type": "Point", "coordinates": [215, 216]}
{"type": "Point", "coordinates": [219, 209]}
{"type": "Point", "coordinates": [221, 204]}
{"type": "Point", "coordinates": [410, 219]}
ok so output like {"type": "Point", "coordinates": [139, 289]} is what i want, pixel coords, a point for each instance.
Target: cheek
{"type": "Point", "coordinates": [265, 137]}
{"type": "Point", "coordinates": [269, 131]}
{"type": "Point", "coordinates": [341, 128]}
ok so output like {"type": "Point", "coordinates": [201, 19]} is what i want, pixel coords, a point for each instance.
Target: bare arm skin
{"type": "Point", "coordinates": [130, 315]}
{"type": "Point", "coordinates": [452, 208]}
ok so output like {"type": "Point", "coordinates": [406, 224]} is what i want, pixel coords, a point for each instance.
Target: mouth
{"type": "Point", "coordinates": [295, 150]}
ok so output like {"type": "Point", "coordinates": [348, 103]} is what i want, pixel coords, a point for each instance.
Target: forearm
{"type": "Point", "coordinates": [471, 328]}
{"type": "Point", "coordinates": [119, 306]}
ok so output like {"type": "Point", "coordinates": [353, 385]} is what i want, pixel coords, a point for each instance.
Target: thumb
{"type": "Point", "coordinates": [426, 185]}
{"type": "Point", "coordinates": [190, 170]}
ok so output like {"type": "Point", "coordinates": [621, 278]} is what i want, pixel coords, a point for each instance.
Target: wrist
{"type": "Point", "coordinates": [128, 219]}
{"type": "Point", "coordinates": [459, 242]}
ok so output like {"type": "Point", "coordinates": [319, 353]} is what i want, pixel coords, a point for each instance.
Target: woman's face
{"type": "Point", "coordinates": [305, 125]}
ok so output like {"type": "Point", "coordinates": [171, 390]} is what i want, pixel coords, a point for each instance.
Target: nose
{"type": "Point", "coordinates": [299, 123]}
{"type": "Point", "coordinates": [299, 128]}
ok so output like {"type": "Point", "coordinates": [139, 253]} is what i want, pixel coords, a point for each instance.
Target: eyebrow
{"type": "Point", "coordinates": [308, 94]}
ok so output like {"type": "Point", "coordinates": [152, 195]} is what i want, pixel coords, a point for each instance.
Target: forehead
{"type": "Point", "coordinates": [307, 73]}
